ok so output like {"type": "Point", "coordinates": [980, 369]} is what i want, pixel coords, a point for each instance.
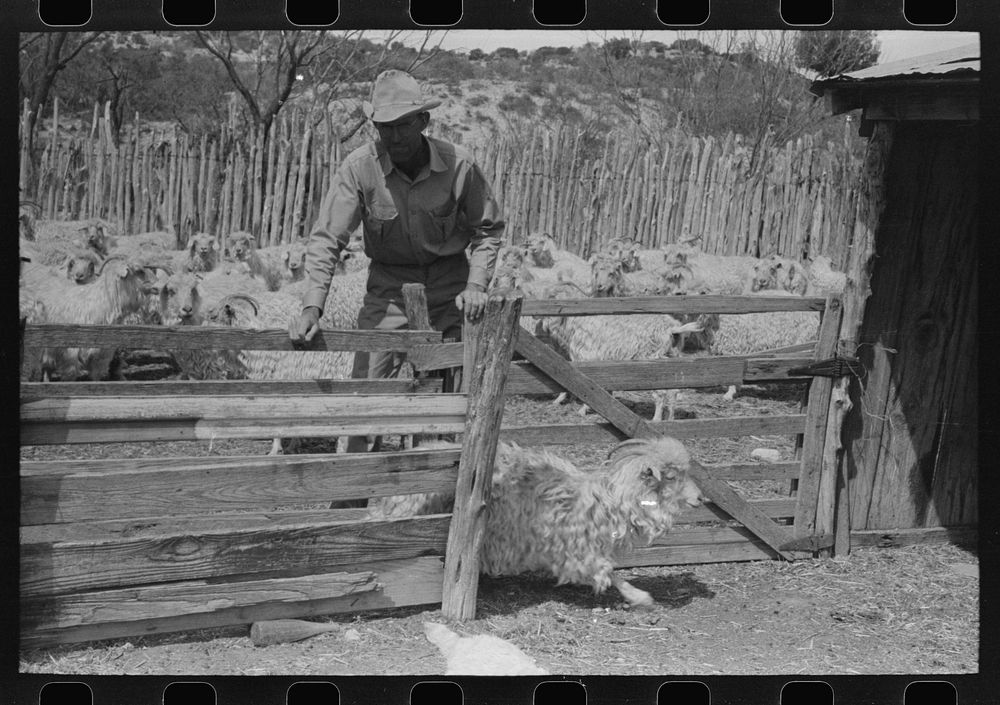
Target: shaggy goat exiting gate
{"type": "Point", "coordinates": [546, 514]}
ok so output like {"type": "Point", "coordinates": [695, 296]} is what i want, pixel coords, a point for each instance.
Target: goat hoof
{"type": "Point", "coordinates": [643, 606]}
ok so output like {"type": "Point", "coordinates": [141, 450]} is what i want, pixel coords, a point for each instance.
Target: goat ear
{"type": "Point", "coordinates": [286, 255]}
{"type": "Point", "coordinates": [215, 244]}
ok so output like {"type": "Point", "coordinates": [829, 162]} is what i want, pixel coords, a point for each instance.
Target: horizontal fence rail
{"type": "Point", "coordinates": [211, 338]}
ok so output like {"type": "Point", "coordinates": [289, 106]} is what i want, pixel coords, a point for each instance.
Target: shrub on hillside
{"type": "Point", "coordinates": [517, 104]}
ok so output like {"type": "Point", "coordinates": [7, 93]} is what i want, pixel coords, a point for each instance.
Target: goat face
{"type": "Point", "coordinates": [540, 249]}
{"type": "Point", "coordinates": [81, 268]}
{"type": "Point", "coordinates": [180, 300]}
{"type": "Point", "coordinates": [627, 251]}
{"type": "Point", "coordinates": [649, 477]}
{"type": "Point", "coordinates": [203, 251]}
{"type": "Point", "coordinates": [766, 274]}
{"type": "Point", "coordinates": [240, 246]}
{"type": "Point", "coordinates": [606, 275]}
{"type": "Point", "coordinates": [294, 259]}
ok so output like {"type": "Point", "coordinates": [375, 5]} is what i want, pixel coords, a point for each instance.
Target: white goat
{"type": "Point", "coordinates": [782, 273]}
{"type": "Point", "coordinates": [241, 248]}
{"type": "Point", "coordinates": [119, 291]}
{"type": "Point", "coordinates": [628, 251]}
{"type": "Point", "coordinates": [545, 514]}
{"type": "Point", "coordinates": [609, 277]}
{"type": "Point", "coordinates": [82, 267]}
{"type": "Point", "coordinates": [203, 253]}
{"type": "Point", "coordinates": [186, 300]}
{"type": "Point", "coordinates": [543, 260]}
{"type": "Point", "coordinates": [711, 274]}
{"type": "Point", "coordinates": [541, 250]}
{"type": "Point", "coordinates": [824, 279]}
{"type": "Point", "coordinates": [293, 261]}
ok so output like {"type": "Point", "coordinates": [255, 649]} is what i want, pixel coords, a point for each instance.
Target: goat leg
{"type": "Point", "coordinates": [633, 595]}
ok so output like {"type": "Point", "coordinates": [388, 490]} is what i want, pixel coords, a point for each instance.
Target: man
{"type": "Point", "coordinates": [422, 201]}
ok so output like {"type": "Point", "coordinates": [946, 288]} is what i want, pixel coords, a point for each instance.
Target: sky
{"type": "Point", "coordinates": [895, 44]}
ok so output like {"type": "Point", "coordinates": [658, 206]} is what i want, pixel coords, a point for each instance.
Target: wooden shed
{"type": "Point", "coordinates": [910, 438]}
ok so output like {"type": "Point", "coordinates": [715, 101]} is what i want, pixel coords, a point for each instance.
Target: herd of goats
{"type": "Point", "coordinates": [78, 272]}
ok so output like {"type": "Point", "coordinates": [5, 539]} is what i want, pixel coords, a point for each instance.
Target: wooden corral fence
{"type": "Point", "coordinates": [138, 545]}
{"type": "Point", "coordinates": [799, 199]}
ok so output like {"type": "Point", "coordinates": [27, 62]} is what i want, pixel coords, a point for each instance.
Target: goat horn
{"type": "Point", "coordinates": [243, 297]}
{"type": "Point", "coordinates": [168, 268]}
{"type": "Point", "coordinates": [105, 262]}
{"type": "Point", "coordinates": [629, 446]}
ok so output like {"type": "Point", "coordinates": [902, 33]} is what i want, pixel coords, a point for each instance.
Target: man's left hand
{"type": "Point", "coordinates": [472, 302]}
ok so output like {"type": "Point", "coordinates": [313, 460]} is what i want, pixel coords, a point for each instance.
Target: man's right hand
{"type": "Point", "coordinates": [302, 329]}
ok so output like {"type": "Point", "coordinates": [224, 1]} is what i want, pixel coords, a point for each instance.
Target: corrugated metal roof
{"type": "Point", "coordinates": [960, 59]}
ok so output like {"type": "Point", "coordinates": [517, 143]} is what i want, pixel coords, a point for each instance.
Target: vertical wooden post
{"type": "Point", "coordinates": [815, 440]}
{"type": "Point", "coordinates": [494, 336]}
{"type": "Point", "coordinates": [415, 308]}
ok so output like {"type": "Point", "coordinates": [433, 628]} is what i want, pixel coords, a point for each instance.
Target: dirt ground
{"type": "Point", "coordinates": [877, 611]}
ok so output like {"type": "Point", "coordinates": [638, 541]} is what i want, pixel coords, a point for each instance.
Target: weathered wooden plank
{"type": "Point", "coordinates": [88, 490]}
{"type": "Point", "coordinates": [817, 415]}
{"type": "Point", "coordinates": [672, 373]}
{"type": "Point", "coordinates": [210, 337]}
{"type": "Point", "coordinates": [745, 550]}
{"type": "Point", "coordinates": [195, 597]}
{"type": "Point", "coordinates": [619, 305]}
{"type": "Point", "coordinates": [832, 511]}
{"type": "Point", "coordinates": [73, 566]}
{"type": "Point", "coordinates": [152, 527]}
{"type": "Point", "coordinates": [895, 538]}
{"type": "Point", "coordinates": [236, 407]}
{"type": "Point", "coordinates": [67, 619]}
{"type": "Point", "coordinates": [215, 429]}
{"type": "Point", "coordinates": [572, 434]}
{"type": "Point", "coordinates": [439, 356]}
{"type": "Point", "coordinates": [39, 390]}
{"type": "Point", "coordinates": [492, 338]}
{"type": "Point", "coordinates": [957, 103]}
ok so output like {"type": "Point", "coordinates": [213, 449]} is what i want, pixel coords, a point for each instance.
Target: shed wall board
{"type": "Point", "coordinates": [912, 458]}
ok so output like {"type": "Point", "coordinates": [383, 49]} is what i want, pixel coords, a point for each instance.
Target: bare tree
{"type": "Point", "coordinates": [266, 67]}
{"type": "Point", "coordinates": [275, 60]}
{"type": "Point", "coordinates": [43, 55]}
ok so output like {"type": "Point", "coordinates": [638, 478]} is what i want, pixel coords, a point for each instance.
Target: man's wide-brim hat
{"type": "Point", "coordinates": [396, 95]}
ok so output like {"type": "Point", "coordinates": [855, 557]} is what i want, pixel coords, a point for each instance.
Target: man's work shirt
{"type": "Point", "coordinates": [414, 230]}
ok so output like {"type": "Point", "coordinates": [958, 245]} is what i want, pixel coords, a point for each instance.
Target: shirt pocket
{"type": "Point", "coordinates": [442, 222]}
{"type": "Point", "coordinates": [378, 218]}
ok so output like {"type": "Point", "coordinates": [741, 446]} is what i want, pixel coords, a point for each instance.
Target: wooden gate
{"type": "Point", "coordinates": [812, 523]}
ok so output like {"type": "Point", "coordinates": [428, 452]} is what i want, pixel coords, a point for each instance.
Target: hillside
{"type": "Point", "coordinates": [644, 90]}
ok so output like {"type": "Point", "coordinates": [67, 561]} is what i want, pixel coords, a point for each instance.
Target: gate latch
{"type": "Point", "coordinates": [838, 366]}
